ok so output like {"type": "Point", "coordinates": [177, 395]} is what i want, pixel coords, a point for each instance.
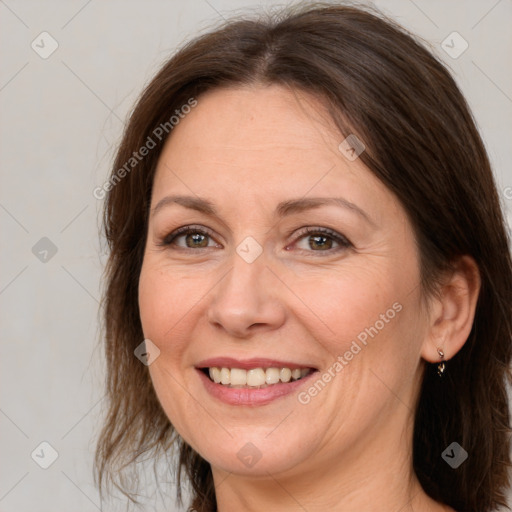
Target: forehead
{"type": "Point", "coordinates": [256, 118]}
{"type": "Point", "coordinates": [264, 141]}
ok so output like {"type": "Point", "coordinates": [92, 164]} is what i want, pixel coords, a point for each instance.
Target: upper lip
{"type": "Point", "coordinates": [248, 364]}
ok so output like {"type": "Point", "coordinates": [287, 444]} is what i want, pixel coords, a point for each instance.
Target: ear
{"type": "Point", "coordinates": [452, 312]}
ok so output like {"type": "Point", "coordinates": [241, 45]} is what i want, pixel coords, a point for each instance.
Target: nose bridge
{"type": "Point", "coordinates": [243, 278]}
{"type": "Point", "coordinates": [243, 299]}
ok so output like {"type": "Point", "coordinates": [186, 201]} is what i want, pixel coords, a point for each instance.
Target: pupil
{"type": "Point", "coordinates": [318, 238]}
{"type": "Point", "coordinates": [197, 238]}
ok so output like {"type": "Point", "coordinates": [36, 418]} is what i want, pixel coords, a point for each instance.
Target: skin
{"type": "Point", "coordinates": [247, 149]}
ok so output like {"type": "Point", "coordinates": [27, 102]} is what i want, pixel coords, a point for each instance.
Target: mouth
{"type": "Point", "coordinates": [256, 381]}
{"type": "Point", "coordinates": [260, 377]}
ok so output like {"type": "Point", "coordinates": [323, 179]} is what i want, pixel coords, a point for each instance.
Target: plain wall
{"type": "Point", "coordinates": [61, 118]}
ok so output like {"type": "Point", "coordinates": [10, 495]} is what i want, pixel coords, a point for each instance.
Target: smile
{"type": "Point", "coordinates": [252, 382]}
{"type": "Point", "coordinates": [255, 377]}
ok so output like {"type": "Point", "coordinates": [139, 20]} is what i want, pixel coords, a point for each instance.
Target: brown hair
{"type": "Point", "coordinates": [422, 143]}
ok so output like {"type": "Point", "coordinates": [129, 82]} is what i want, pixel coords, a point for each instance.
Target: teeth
{"type": "Point", "coordinates": [285, 374]}
{"type": "Point", "coordinates": [238, 377]}
{"type": "Point", "coordinates": [296, 374]}
{"type": "Point", "coordinates": [215, 375]}
{"type": "Point", "coordinates": [225, 377]}
{"type": "Point", "coordinates": [272, 376]}
{"type": "Point", "coordinates": [255, 377]}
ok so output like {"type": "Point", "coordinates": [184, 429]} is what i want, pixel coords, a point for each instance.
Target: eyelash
{"type": "Point", "coordinates": [343, 242]}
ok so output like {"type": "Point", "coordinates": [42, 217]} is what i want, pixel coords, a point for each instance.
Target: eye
{"type": "Point", "coordinates": [321, 240]}
{"type": "Point", "coordinates": [193, 237]}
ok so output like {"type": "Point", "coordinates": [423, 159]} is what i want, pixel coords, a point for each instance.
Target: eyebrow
{"type": "Point", "coordinates": [283, 209]}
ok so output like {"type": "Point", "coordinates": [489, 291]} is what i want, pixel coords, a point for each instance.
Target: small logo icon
{"type": "Point", "coordinates": [44, 250]}
{"type": "Point", "coordinates": [249, 249]}
{"type": "Point", "coordinates": [351, 147]}
{"type": "Point", "coordinates": [147, 352]}
{"type": "Point", "coordinates": [249, 455]}
{"type": "Point", "coordinates": [454, 455]}
{"type": "Point", "coordinates": [454, 45]}
{"type": "Point", "coordinates": [44, 455]}
{"type": "Point", "coordinates": [44, 45]}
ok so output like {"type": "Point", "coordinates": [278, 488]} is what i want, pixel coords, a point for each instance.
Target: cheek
{"type": "Point", "coordinates": [165, 300]}
{"type": "Point", "coordinates": [338, 306]}
{"type": "Point", "coordinates": [165, 304]}
{"type": "Point", "coordinates": [365, 320]}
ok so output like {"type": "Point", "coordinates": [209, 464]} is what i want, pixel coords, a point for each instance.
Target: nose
{"type": "Point", "coordinates": [246, 300]}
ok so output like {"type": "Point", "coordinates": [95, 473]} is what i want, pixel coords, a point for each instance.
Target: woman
{"type": "Point", "coordinates": [307, 254]}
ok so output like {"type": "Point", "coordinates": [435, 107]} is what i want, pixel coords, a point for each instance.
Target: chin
{"type": "Point", "coordinates": [255, 455]}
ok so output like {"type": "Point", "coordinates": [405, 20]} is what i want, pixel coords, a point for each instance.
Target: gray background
{"type": "Point", "coordinates": [61, 118]}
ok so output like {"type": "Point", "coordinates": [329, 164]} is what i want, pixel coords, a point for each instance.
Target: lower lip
{"type": "Point", "coordinates": [248, 396]}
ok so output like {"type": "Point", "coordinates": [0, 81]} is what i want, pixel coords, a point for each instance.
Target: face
{"type": "Point", "coordinates": [250, 273]}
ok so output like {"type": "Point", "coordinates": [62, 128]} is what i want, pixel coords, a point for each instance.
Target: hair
{"type": "Point", "coordinates": [382, 84]}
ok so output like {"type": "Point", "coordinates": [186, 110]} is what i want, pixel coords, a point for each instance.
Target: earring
{"type": "Point", "coordinates": [441, 366]}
